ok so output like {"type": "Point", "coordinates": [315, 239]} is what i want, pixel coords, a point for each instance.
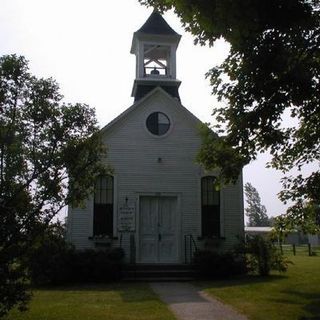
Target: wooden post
{"type": "Point", "coordinates": [294, 249]}
{"type": "Point", "coordinates": [185, 249]}
{"type": "Point", "coordinates": [309, 249]}
{"type": "Point", "coordinates": [190, 250]}
{"type": "Point", "coordinates": [132, 249]}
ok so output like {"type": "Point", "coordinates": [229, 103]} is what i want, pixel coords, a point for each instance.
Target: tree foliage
{"type": "Point", "coordinates": [272, 71]}
{"type": "Point", "coordinates": [50, 154]}
{"type": "Point", "coordinates": [304, 218]}
{"type": "Point", "coordinates": [255, 211]}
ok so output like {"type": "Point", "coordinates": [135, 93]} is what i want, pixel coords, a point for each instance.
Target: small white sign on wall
{"type": "Point", "coordinates": [126, 218]}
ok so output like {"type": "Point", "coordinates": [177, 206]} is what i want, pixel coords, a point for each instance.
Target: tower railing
{"type": "Point", "coordinates": [156, 71]}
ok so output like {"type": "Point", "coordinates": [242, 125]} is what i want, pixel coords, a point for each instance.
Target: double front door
{"type": "Point", "coordinates": [158, 236]}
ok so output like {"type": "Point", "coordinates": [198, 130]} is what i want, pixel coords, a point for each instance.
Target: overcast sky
{"type": "Point", "coordinates": [85, 46]}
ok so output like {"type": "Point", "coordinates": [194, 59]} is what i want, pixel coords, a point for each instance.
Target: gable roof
{"type": "Point", "coordinates": [139, 102]}
{"type": "Point", "coordinates": [155, 24]}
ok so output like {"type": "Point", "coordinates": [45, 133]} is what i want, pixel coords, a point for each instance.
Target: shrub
{"type": "Point", "coordinates": [219, 265]}
{"type": "Point", "coordinates": [53, 262]}
{"type": "Point", "coordinates": [50, 258]}
{"type": "Point", "coordinates": [97, 266]}
{"type": "Point", "coordinates": [263, 256]}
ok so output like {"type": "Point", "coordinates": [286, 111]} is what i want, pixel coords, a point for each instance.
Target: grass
{"type": "Point", "coordinates": [293, 295]}
{"type": "Point", "coordinates": [98, 302]}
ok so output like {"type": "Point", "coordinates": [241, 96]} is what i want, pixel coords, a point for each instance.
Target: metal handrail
{"type": "Point", "coordinates": [192, 247]}
{"type": "Point", "coordinates": [120, 241]}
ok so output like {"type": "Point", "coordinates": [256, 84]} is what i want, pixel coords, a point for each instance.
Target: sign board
{"type": "Point", "coordinates": [126, 218]}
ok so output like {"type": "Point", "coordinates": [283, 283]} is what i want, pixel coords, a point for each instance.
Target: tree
{"type": "Point", "coordinates": [49, 157]}
{"type": "Point", "coordinates": [305, 219]}
{"type": "Point", "coordinates": [272, 71]}
{"type": "Point", "coordinates": [255, 211]}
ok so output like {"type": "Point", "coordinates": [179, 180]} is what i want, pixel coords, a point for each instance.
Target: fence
{"type": "Point", "coordinates": [301, 249]}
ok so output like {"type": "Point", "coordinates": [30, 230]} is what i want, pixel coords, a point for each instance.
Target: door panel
{"type": "Point", "coordinates": [148, 229]}
{"type": "Point", "coordinates": [167, 223]}
{"type": "Point", "coordinates": [158, 230]}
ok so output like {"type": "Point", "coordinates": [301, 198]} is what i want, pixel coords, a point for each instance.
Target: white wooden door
{"type": "Point", "coordinates": [158, 230]}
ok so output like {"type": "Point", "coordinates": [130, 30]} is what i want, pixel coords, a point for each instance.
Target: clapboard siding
{"type": "Point", "coordinates": [233, 214]}
{"type": "Point", "coordinates": [134, 156]}
{"type": "Point", "coordinates": [80, 224]}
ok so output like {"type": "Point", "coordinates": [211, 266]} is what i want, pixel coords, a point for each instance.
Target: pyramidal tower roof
{"type": "Point", "coordinates": [157, 25]}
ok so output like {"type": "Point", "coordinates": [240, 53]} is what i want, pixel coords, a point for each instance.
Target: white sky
{"type": "Point", "coordinates": [85, 46]}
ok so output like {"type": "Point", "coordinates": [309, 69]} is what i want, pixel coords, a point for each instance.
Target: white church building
{"type": "Point", "coordinates": [158, 204]}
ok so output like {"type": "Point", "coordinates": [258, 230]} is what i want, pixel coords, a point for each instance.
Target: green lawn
{"type": "Point", "coordinates": [103, 302]}
{"type": "Point", "coordinates": [290, 296]}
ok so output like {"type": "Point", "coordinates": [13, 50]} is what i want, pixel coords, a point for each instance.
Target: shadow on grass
{"type": "Point", "coordinates": [129, 292]}
{"type": "Point", "coordinates": [141, 293]}
{"type": "Point", "coordinates": [310, 302]}
{"type": "Point", "coordinates": [78, 287]}
{"type": "Point", "coordinates": [239, 281]}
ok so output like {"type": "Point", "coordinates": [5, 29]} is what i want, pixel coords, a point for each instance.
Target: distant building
{"type": "Point", "coordinates": [254, 231]}
{"type": "Point", "coordinates": [294, 237]}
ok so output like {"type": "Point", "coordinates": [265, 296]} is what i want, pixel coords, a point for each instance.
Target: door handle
{"type": "Point", "coordinates": [159, 237]}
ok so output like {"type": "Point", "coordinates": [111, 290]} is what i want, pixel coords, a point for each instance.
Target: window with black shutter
{"type": "Point", "coordinates": [210, 207]}
{"type": "Point", "coordinates": [103, 206]}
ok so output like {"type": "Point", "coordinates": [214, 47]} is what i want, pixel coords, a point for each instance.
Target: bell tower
{"type": "Point", "coordinates": [155, 45]}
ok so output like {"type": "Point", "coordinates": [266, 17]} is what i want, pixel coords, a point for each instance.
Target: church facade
{"type": "Point", "coordinates": [158, 204]}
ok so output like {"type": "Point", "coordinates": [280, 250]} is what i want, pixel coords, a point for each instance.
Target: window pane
{"type": "Point", "coordinates": [204, 199]}
{"type": "Point", "coordinates": [110, 182]}
{"type": "Point", "coordinates": [103, 182]}
{"type": "Point", "coordinates": [216, 198]}
{"type": "Point", "coordinates": [109, 199]}
{"type": "Point", "coordinates": [103, 196]}
{"type": "Point", "coordinates": [162, 128]}
{"type": "Point", "coordinates": [152, 123]}
{"type": "Point", "coordinates": [210, 207]}
{"type": "Point", "coordinates": [162, 118]}
{"type": "Point", "coordinates": [210, 198]}
{"type": "Point", "coordinates": [210, 185]}
{"type": "Point", "coordinates": [103, 189]}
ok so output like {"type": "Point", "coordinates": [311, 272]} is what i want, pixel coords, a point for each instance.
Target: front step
{"type": "Point", "coordinates": [159, 272]}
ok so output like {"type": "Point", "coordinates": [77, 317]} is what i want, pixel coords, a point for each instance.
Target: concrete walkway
{"type": "Point", "coordinates": [189, 303]}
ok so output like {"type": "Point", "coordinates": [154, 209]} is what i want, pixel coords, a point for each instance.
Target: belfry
{"type": "Point", "coordinates": [155, 45]}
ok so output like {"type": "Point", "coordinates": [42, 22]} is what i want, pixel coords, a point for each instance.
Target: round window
{"type": "Point", "coordinates": [158, 123]}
